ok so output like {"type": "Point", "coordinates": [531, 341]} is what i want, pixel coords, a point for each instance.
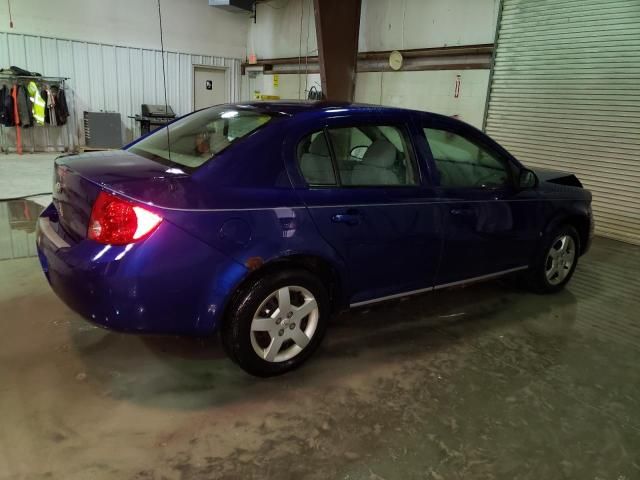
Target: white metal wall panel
{"type": "Point", "coordinates": [107, 77]}
{"type": "Point", "coordinates": [565, 94]}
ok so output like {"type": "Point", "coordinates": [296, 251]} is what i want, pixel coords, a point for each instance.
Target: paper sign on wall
{"type": "Point", "coordinates": [276, 81]}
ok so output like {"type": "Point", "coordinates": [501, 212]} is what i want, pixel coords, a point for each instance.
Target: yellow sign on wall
{"type": "Point", "coordinates": [276, 81]}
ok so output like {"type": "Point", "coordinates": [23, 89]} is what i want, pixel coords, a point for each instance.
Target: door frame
{"type": "Point", "coordinates": [227, 89]}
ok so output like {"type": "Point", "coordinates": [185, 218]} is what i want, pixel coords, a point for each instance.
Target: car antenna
{"type": "Point", "coordinates": [164, 81]}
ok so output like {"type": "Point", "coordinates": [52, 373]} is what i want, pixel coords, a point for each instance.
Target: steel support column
{"type": "Point", "coordinates": [337, 28]}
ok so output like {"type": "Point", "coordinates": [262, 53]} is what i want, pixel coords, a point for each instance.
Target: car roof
{"type": "Point", "coordinates": [294, 107]}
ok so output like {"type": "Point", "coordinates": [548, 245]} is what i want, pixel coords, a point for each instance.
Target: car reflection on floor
{"type": "Point", "coordinates": [17, 228]}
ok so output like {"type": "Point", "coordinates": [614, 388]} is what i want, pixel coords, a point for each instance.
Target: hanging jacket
{"type": "Point", "coordinates": [50, 101]}
{"type": "Point", "coordinates": [51, 108]}
{"type": "Point", "coordinates": [62, 112]}
{"type": "Point", "coordinates": [25, 113]}
{"type": "Point", "coordinates": [6, 107]}
{"type": "Point", "coordinates": [3, 93]}
{"type": "Point", "coordinates": [44, 93]}
{"type": "Point", "coordinates": [37, 102]}
{"type": "Point", "coordinates": [47, 112]}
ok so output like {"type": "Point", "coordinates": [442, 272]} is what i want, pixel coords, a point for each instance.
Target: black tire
{"type": "Point", "coordinates": [536, 277]}
{"type": "Point", "coordinates": [236, 329]}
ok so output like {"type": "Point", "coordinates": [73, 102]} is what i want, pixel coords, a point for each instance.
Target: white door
{"type": "Point", "coordinates": [565, 95]}
{"type": "Point", "coordinates": [209, 87]}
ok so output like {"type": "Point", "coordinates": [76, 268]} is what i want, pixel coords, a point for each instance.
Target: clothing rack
{"type": "Point", "coordinates": [67, 137]}
{"type": "Point", "coordinates": [32, 77]}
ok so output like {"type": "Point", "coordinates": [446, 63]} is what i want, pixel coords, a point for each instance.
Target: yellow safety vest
{"type": "Point", "coordinates": [38, 103]}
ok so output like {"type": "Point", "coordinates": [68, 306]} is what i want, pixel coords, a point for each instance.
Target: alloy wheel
{"type": "Point", "coordinates": [560, 259]}
{"type": "Point", "coordinates": [284, 324]}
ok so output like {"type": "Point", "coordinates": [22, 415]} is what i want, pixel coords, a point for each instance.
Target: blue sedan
{"type": "Point", "coordinates": [262, 220]}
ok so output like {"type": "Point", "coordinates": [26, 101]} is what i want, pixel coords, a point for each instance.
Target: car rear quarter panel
{"type": "Point", "coordinates": [170, 283]}
{"type": "Point", "coordinates": [257, 236]}
{"type": "Point", "coordinates": [251, 211]}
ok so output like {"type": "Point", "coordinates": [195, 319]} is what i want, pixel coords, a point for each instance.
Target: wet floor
{"type": "Point", "coordinates": [482, 382]}
{"type": "Point", "coordinates": [17, 228]}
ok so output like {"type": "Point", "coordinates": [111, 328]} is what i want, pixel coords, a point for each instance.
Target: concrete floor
{"type": "Point", "coordinates": [27, 174]}
{"type": "Point", "coordinates": [483, 382]}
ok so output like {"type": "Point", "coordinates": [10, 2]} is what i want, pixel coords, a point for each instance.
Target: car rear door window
{"type": "Point", "coordinates": [462, 162]}
{"type": "Point", "coordinates": [371, 155]}
{"type": "Point", "coordinates": [315, 162]}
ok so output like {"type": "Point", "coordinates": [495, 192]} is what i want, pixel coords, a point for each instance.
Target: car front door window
{"type": "Point", "coordinates": [461, 162]}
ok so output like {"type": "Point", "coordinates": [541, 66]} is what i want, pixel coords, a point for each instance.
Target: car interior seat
{"type": "Point", "coordinates": [376, 167]}
{"type": "Point", "coordinates": [316, 164]}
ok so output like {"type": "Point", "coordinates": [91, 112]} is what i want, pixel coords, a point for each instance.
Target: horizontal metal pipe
{"type": "Point", "coordinates": [445, 58]}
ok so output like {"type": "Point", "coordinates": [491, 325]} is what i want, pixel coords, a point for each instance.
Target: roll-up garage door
{"type": "Point", "coordinates": [565, 95]}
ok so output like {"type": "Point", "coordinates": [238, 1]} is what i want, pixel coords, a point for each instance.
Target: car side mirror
{"type": "Point", "coordinates": [358, 152]}
{"type": "Point", "coordinates": [528, 179]}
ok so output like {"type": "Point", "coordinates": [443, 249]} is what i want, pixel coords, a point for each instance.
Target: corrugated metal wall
{"type": "Point", "coordinates": [108, 77]}
{"type": "Point", "coordinates": [565, 95]}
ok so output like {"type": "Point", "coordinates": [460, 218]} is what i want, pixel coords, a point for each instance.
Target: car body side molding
{"type": "Point", "coordinates": [438, 287]}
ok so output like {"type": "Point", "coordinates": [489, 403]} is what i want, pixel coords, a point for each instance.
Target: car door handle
{"type": "Point", "coordinates": [462, 211]}
{"type": "Point", "coordinates": [351, 218]}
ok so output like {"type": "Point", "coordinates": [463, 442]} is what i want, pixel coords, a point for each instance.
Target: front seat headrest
{"type": "Point", "coordinates": [380, 153]}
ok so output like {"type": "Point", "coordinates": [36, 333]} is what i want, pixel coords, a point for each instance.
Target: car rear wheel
{"type": "Point", "coordinates": [276, 322]}
{"type": "Point", "coordinates": [555, 261]}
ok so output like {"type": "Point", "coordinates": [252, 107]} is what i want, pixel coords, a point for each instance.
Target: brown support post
{"type": "Point", "coordinates": [337, 28]}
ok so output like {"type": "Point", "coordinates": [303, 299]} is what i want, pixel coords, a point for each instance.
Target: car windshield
{"type": "Point", "coordinates": [196, 138]}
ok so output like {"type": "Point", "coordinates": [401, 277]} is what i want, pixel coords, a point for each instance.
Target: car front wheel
{"type": "Point", "coordinates": [276, 322]}
{"type": "Point", "coordinates": [555, 261]}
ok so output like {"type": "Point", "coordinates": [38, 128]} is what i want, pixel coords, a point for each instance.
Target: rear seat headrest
{"type": "Point", "coordinates": [319, 146]}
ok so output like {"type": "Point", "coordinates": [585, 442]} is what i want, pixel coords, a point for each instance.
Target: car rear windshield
{"type": "Point", "coordinates": [191, 141]}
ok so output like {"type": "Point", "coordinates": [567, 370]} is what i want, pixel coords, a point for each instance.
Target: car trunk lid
{"type": "Point", "coordinates": [78, 179]}
{"type": "Point", "coordinates": [73, 197]}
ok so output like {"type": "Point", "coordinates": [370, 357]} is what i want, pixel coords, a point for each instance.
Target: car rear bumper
{"type": "Point", "coordinates": [170, 283]}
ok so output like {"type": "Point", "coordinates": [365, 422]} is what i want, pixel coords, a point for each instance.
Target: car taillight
{"type": "Point", "coordinates": [115, 221]}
